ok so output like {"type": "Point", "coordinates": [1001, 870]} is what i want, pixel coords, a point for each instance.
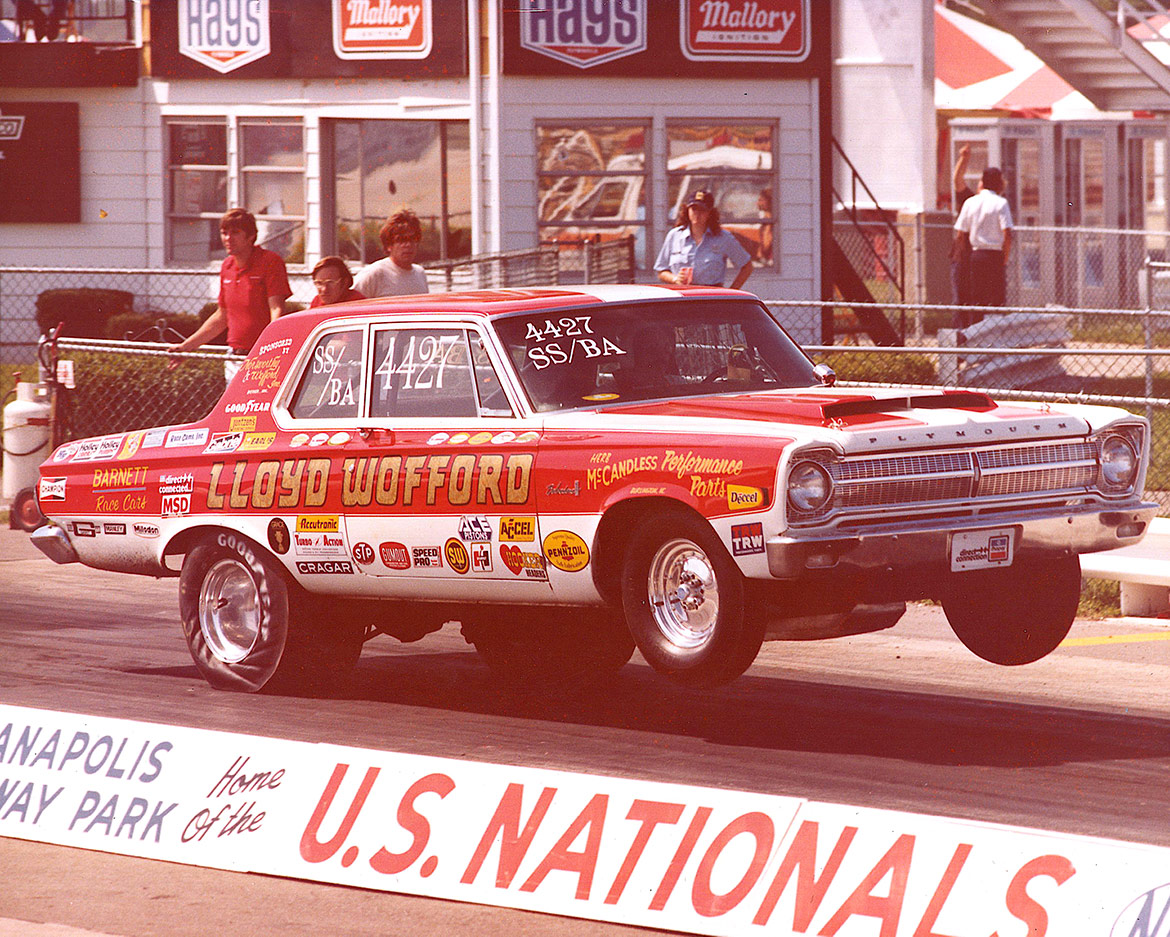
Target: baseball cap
{"type": "Point", "coordinates": [703, 198]}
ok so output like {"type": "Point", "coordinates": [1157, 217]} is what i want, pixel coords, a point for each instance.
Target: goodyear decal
{"type": "Point", "coordinates": [566, 551]}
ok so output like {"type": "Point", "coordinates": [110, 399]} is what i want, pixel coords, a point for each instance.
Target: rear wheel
{"type": "Point", "coordinates": [684, 602]}
{"type": "Point", "coordinates": [249, 628]}
{"type": "Point", "coordinates": [25, 513]}
{"type": "Point", "coordinates": [554, 653]}
{"type": "Point", "coordinates": [1016, 615]}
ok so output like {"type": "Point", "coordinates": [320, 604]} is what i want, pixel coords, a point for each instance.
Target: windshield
{"type": "Point", "coordinates": [624, 353]}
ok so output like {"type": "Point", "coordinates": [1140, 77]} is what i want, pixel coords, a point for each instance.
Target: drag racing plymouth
{"type": "Point", "coordinates": [568, 473]}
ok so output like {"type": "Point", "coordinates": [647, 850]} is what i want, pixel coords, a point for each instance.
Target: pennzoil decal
{"type": "Point", "coordinates": [566, 551]}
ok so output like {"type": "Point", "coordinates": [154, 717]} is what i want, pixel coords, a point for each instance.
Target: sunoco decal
{"type": "Point", "coordinates": [582, 33]}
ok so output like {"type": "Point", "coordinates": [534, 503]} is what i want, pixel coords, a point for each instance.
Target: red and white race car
{"type": "Point", "coordinates": [570, 472]}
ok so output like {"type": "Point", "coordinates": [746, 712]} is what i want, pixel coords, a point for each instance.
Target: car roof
{"type": "Point", "coordinates": [497, 302]}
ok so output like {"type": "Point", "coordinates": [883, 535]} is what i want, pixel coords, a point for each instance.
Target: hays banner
{"type": "Point", "coordinates": [691, 38]}
{"type": "Point", "coordinates": [224, 34]}
{"type": "Point", "coordinates": [382, 29]}
{"type": "Point", "coordinates": [649, 854]}
{"type": "Point", "coordinates": [263, 39]}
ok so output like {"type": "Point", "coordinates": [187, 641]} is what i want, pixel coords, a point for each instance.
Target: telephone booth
{"type": "Point", "coordinates": [1146, 149]}
{"type": "Point", "coordinates": [1089, 260]}
{"type": "Point", "coordinates": [1024, 149]}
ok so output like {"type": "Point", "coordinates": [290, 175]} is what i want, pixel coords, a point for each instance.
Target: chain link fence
{"type": "Point", "coordinates": [161, 294]}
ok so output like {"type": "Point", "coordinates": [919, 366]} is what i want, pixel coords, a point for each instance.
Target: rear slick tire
{"type": "Point", "coordinates": [1016, 615]}
{"type": "Point", "coordinates": [250, 629]}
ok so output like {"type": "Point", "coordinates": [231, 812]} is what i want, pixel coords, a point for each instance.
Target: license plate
{"type": "Point", "coordinates": [982, 549]}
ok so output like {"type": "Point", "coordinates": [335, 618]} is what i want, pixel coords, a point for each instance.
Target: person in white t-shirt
{"type": "Point", "coordinates": [985, 221]}
{"type": "Point", "coordinates": [396, 274]}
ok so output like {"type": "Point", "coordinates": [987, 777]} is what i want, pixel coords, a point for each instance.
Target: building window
{"type": "Point", "coordinates": [377, 167]}
{"type": "Point", "coordinates": [735, 163]}
{"type": "Point", "coordinates": [198, 176]}
{"type": "Point", "coordinates": [260, 159]}
{"type": "Point", "coordinates": [272, 169]}
{"type": "Point", "coordinates": [592, 181]}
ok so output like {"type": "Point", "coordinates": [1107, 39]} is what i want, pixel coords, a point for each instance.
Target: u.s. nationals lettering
{"type": "Point", "coordinates": [685, 860]}
{"type": "Point", "coordinates": [390, 480]}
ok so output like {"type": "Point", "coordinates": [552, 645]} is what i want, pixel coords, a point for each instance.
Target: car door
{"type": "Point", "coordinates": [438, 482]}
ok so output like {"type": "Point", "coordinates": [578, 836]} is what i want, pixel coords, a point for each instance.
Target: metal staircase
{"type": "Point", "coordinates": [1094, 45]}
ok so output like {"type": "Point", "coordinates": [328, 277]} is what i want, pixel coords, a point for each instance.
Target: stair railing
{"type": "Point", "coordinates": [895, 276]}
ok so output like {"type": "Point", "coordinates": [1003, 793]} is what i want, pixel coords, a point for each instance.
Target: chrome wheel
{"type": "Point", "coordinates": [229, 611]}
{"type": "Point", "coordinates": [684, 594]}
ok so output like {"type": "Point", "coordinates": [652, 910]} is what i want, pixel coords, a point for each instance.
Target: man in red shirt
{"type": "Point", "coordinates": [253, 285]}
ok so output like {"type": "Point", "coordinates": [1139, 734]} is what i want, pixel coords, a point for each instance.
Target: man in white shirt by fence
{"type": "Point", "coordinates": [985, 221]}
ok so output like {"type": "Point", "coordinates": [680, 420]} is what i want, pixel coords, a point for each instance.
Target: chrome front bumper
{"type": "Point", "coordinates": [1084, 529]}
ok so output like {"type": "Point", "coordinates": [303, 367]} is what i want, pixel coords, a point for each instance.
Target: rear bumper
{"type": "Point", "coordinates": [53, 542]}
{"type": "Point", "coordinates": [1084, 529]}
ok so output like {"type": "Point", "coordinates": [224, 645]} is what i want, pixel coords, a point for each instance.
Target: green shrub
{"type": "Point", "coordinates": [892, 368]}
{"type": "Point", "coordinates": [83, 312]}
{"type": "Point", "coordinates": [116, 393]}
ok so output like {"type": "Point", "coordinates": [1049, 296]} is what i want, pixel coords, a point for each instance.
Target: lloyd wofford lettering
{"type": "Point", "coordinates": [389, 480]}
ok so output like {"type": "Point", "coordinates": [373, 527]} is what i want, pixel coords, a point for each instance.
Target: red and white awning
{"type": "Point", "coordinates": [980, 68]}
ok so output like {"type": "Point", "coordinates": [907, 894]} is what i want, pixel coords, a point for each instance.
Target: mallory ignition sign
{"type": "Point", "coordinates": [569, 473]}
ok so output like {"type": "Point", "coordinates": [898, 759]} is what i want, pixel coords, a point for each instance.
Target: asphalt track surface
{"type": "Point", "coordinates": [905, 719]}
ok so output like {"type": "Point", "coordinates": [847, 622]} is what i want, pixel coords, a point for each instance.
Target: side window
{"type": "Point", "coordinates": [422, 373]}
{"type": "Point", "coordinates": [492, 399]}
{"type": "Point", "coordinates": [333, 382]}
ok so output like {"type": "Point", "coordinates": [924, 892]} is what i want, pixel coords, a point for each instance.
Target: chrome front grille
{"type": "Point", "coordinates": [970, 477]}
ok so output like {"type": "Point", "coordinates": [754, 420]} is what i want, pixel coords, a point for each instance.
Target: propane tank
{"type": "Point", "coordinates": [26, 438]}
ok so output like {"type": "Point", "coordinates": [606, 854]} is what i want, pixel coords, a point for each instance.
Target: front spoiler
{"type": "Point", "coordinates": [891, 546]}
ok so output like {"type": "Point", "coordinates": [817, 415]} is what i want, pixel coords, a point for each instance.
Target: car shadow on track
{"type": "Point", "coordinates": [782, 714]}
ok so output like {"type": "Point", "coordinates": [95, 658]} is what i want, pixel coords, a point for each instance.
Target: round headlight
{"type": "Point", "coordinates": [809, 487]}
{"type": "Point", "coordinates": [1119, 462]}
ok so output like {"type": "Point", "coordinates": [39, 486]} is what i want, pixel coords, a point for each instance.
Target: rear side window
{"type": "Point", "coordinates": [423, 373]}
{"type": "Point", "coordinates": [333, 383]}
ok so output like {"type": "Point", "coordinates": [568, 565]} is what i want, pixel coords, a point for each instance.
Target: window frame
{"type": "Point", "coordinates": [236, 173]}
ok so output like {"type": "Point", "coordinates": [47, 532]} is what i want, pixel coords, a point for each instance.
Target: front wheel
{"type": "Point", "coordinates": [249, 629]}
{"type": "Point", "coordinates": [1015, 615]}
{"type": "Point", "coordinates": [683, 597]}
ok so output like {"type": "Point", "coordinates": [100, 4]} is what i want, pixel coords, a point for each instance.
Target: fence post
{"type": "Point", "coordinates": [1147, 333]}
{"type": "Point", "coordinates": [587, 261]}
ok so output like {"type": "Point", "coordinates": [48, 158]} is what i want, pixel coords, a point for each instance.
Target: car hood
{"type": "Point", "coordinates": [861, 419]}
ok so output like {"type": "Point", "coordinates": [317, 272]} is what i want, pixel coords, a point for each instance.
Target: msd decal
{"type": "Point", "coordinates": [744, 30]}
{"type": "Point", "coordinates": [584, 33]}
{"type": "Point", "coordinates": [382, 29]}
{"type": "Point", "coordinates": [224, 34]}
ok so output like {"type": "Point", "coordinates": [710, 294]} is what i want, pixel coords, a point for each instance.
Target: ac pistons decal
{"type": "Point", "coordinates": [224, 35]}
{"type": "Point", "coordinates": [584, 33]}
